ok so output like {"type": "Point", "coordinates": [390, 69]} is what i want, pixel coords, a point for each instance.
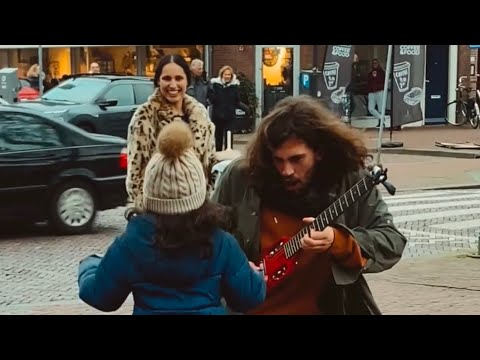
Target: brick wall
{"type": "Point", "coordinates": [239, 60]}
{"type": "Point", "coordinates": [467, 57]}
{"type": "Point", "coordinates": [306, 56]}
{"type": "Point", "coordinates": [244, 61]}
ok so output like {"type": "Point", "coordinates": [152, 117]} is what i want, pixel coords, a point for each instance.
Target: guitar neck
{"type": "Point", "coordinates": [329, 215]}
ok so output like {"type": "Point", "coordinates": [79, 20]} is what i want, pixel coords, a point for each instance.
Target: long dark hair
{"type": "Point", "coordinates": [342, 148]}
{"type": "Point", "coordinates": [167, 59]}
{"type": "Point", "coordinates": [192, 230]}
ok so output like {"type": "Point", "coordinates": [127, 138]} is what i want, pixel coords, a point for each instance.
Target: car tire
{"type": "Point", "coordinates": [73, 207]}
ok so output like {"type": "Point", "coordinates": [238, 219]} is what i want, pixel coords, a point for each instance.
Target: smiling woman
{"type": "Point", "coordinates": [168, 103]}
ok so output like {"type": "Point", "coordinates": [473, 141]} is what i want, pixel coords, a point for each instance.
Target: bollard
{"type": "Point", "coordinates": [477, 255]}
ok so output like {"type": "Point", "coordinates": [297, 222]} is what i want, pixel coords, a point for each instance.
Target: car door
{"type": "Point", "coordinates": [32, 152]}
{"type": "Point", "coordinates": [114, 120]}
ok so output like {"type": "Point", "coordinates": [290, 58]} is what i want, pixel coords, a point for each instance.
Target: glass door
{"type": "Point", "coordinates": [277, 70]}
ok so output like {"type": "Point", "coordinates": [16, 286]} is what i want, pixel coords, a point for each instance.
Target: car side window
{"type": "Point", "coordinates": [142, 92]}
{"type": "Point", "coordinates": [19, 132]}
{"type": "Point", "coordinates": [123, 93]}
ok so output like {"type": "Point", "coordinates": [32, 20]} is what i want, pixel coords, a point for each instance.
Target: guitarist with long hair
{"type": "Point", "coordinates": [302, 160]}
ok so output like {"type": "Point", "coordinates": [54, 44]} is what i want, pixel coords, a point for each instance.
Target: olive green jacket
{"type": "Point", "coordinates": [367, 220]}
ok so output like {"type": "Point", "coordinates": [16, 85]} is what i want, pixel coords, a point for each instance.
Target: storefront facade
{"type": "Point", "coordinates": [59, 60]}
{"type": "Point", "coordinates": [274, 69]}
{"type": "Point", "coordinates": [266, 65]}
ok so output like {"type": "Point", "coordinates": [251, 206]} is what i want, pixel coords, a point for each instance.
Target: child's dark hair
{"type": "Point", "coordinates": [193, 230]}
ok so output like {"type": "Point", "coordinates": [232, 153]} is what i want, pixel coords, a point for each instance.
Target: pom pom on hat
{"type": "Point", "coordinates": [174, 139]}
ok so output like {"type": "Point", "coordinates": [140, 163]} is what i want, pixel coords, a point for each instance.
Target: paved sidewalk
{"type": "Point", "coordinates": [443, 285]}
{"type": "Point", "coordinates": [440, 285]}
{"type": "Point", "coordinates": [421, 140]}
{"type": "Point", "coordinates": [416, 140]}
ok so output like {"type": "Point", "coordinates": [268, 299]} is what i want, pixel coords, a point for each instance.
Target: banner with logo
{"type": "Point", "coordinates": [337, 73]}
{"type": "Point", "coordinates": [408, 83]}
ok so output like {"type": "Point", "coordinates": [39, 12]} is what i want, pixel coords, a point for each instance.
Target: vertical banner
{"type": "Point", "coordinates": [408, 88]}
{"type": "Point", "coordinates": [337, 73]}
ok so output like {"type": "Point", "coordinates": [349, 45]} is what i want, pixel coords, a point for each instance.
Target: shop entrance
{"type": "Point", "coordinates": [277, 70]}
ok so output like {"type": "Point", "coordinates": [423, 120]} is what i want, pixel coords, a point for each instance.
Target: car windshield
{"type": "Point", "coordinates": [80, 90]}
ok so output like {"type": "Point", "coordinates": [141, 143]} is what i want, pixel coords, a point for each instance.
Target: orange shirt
{"type": "Point", "coordinates": [298, 294]}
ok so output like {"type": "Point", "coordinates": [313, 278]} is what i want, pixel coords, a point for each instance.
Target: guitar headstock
{"type": "Point", "coordinates": [379, 176]}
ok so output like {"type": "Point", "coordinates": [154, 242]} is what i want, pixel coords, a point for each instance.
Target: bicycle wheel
{"type": "Point", "coordinates": [461, 113]}
{"type": "Point", "coordinates": [474, 118]}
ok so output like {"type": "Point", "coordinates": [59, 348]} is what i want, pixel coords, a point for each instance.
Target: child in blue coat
{"type": "Point", "coordinates": [173, 257]}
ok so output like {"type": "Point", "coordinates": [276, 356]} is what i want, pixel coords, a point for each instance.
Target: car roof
{"type": "Point", "coordinates": [52, 119]}
{"type": "Point", "coordinates": [111, 77]}
{"type": "Point", "coordinates": [14, 108]}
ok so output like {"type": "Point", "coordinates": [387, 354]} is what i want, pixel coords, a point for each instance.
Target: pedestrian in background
{"type": "Point", "coordinates": [224, 97]}
{"type": "Point", "coordinates": [199, 86]}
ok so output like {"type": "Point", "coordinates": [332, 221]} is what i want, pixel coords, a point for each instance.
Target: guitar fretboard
{"type": "Point", "coordinates": [293, 245]}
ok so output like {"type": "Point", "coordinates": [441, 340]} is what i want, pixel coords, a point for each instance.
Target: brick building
{"type": "Point", "coordinates": [445, 64]}
{"type": "Point", "coordinates": [275, 69]}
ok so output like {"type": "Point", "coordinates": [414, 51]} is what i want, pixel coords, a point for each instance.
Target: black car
{"type": "Point", "coordinates": [55, 171]}
{"type": "Point", "coordinates": [102, 104]}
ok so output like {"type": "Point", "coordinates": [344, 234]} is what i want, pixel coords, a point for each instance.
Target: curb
{"type": "Point", "coordinates": [407, 151]}
{"type": "Point", "coordinates": [443, 187]}
{"type": "Point", "coordinates": [428, 152]}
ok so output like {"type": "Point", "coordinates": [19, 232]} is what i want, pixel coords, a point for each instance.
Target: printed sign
{"type": "Point", "coordinates": [337, 72]}
{"type": "Point", "coordinates": [408, 89]}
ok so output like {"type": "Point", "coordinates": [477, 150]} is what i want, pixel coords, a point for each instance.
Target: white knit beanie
{"type": "Point", "coordinates": [174, 178]}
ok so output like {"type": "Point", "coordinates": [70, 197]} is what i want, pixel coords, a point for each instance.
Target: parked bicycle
{"type": "Point", "coordinates": [466, 108]}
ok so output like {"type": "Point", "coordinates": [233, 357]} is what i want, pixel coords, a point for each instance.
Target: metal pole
{"type": "Point", "coordinates": [40, 69]}
{"type": "Point", "coordinates": [87, 59]}
{"type": "Point", "coordinates": [206, 60]}
{"type": "Point", "coordinates": [315, 57]}
{"type": "Point", "coordinates": [384, 102]}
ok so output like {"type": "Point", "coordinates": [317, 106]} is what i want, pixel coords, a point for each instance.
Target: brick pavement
{"type": "Point", "coordinates": [426, 136]}
{"type": "Point", "coordinates": [443, 285]}
{"type": "Point", "coordinates": [38, 272]}
{"type": "Point", "coordinates": [446, 285]}
{"type": "Point", "coordinates": [413, 137]}
{"type": "Point", "coordinates": [437, 221]}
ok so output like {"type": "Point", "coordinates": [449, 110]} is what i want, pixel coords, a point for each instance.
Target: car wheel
{"type": "Point", "coordinates": [73, 208]}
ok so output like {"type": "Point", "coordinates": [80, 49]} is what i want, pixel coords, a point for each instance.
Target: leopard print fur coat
{"type": "Point", "coordinates": [143, 131]}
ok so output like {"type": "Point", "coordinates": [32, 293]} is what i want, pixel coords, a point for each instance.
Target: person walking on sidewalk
{"type": "Point", "coordinates": [376, 84]}
{"type": "Point", "coordinates": [301, 159]}
{"type": "Point", "coordinates": [173, 256]}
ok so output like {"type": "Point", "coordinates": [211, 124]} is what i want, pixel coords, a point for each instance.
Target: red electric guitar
{"type": "Point", "coordinates": [280, 261]}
